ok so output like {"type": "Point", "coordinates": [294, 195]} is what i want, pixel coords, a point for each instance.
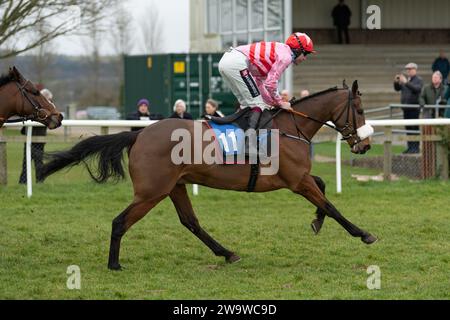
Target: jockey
{"type": "Point", "coordinates": [253, 71]}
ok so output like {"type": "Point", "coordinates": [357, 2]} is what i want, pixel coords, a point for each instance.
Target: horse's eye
{"type": "Point", "coordinates": [360, 112]}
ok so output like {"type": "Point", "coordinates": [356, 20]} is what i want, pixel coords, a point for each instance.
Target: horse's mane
{"type": "Point", "coordinates": [5, 79]}
{"type": "Point", "coordinates": [320, 93]}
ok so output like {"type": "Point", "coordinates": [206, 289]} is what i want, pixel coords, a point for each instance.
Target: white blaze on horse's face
{"type": "Point", "coordinates": [365, 131]}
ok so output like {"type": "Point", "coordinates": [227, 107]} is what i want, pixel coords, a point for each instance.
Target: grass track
{"type": "Point", "coordinates": [69, 218]}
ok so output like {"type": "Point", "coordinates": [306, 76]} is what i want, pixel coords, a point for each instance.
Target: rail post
{"type": "Point", "coordinates": [338, 163]}
{"type": "Point", "coordinates": [387, 162]}
{"type": "Point", "coordinates": [28, 158]}
{"type": "Point", "coordinates": [104, 131]}
{"type": "Point", "coordinates": [442, 155]}
{"type": "Point", "coordinates": [3, 161]}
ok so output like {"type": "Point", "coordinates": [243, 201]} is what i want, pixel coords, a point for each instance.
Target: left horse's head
{"type": "Point", "coordinates": [352, 123]}
{"type": "Point", "coordinates": [34, 105]}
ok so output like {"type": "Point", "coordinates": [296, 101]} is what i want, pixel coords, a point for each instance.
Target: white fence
{"type": "Point", "coordinates": [121, 124]}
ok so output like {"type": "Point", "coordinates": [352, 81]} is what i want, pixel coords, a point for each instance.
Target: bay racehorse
{"type": "Point", "coordinates": [20, 97]}
{"type": "Point", "coordinates": [156, 177]}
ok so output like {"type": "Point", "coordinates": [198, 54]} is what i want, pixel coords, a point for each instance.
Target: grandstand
{"type": "Point", "coordinates": [373, 65]}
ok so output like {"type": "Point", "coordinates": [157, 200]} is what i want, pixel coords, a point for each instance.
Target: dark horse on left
{"type": "Point", "coordinates": [20, 97]}
{"type": "Point", "coordinates": [155, 176]}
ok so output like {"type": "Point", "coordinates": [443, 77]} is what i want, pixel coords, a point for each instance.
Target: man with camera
{"type": "Point", "coordinates": [410, 85]}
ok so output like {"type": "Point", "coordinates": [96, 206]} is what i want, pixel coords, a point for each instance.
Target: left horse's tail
{"type": "Point", "coordinates": [106, 150]}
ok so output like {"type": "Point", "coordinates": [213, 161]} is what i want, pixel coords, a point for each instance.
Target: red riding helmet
{"type": "Point", "coordinates": [301, 43]}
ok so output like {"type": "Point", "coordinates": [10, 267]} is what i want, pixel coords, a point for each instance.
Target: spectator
{"type": "Point", "coordinates": [443, 65]}
{"type": "Point", "coordinates": [212, 109]}
{"type": "Point", "coordinates": [304, 94]}
{"type": "Point", "coordinates": [433, 94]}
{"type": "Point", "coordinates": [341, 19]}
{"type": "Point", "coordinates": [285, 96]}
{"type": "Point", "coordinates": [37, 149]}
{"type": "Point", "coordinates": [410, 88]}
{"type": "Point", "coordinates": [447, 97]}
{"type": "Point", "coordinates": [143, 113]}
{"type": "Point", "coordinates": [179, 111]}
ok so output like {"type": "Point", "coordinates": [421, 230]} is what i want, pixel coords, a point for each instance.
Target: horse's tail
{"type": "Point", "coordinates": [107, 151]}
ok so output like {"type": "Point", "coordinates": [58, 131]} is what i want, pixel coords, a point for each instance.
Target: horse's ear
{"type": "Point", "coordinates": [355, 87]}
{"type": "Point", "coordinates": [15, 73]}
{"type": "Point", "coordinates": [344, 84]}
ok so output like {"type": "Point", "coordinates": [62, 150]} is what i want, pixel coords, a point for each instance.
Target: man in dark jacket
{"type": "Point", "coordinates": [341, 19]}
{"type": "Point", "coordinates": [37, 148]}
{"type": "Point", "coordinates": [143, 113]}
{"type": "Point", "coordinates": [432, 94]}
{"type": "Point", "coordinates": [443, 65]}
{"type": "Point", "coordinates": [410, 88]}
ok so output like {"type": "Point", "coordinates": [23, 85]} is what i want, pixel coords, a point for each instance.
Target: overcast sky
{"type": "Point", "coordinates": [174, 16]}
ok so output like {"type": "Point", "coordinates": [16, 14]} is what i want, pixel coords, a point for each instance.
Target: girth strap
{"type": "Point", "coordinates": [254, 173]}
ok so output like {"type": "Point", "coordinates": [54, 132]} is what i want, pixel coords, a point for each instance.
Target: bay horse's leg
{"type": "Point", "coordinates": [182, 203]}
{"type": "Point", "coordinates": [309, 189]}
{"type": "Point", "coordinates": [320, 213]}
{"type": "Point", "coordinates": [122, 223]}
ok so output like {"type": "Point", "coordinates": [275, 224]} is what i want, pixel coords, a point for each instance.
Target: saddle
{"type": "Point", "coordinates": [240, 120]}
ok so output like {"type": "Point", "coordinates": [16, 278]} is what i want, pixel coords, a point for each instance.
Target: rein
{"type": "Point", "coordinates": [342, 131]}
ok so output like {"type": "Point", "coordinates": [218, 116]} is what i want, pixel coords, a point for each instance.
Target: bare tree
{"type": "Point", "coordinates": [121, 35]}
{"type": "Point", "coordinates": [93, 43]}
{"type": "Point", "coordinates": [122, 42]}
{"type": "Point", "coordinates": [151, 29]}
{"type": "Point", "coordinates": [42, 56]}
{"type": "Point", "coordinates": [19, 19]}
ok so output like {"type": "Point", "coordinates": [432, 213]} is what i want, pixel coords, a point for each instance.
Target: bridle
{"type": "Point", "coordinates": [349, 132]}
{"type": "Point", "coordinates": [39, 113]}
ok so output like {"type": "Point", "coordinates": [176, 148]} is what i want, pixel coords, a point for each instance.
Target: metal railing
{"type": "Point", "coordinates": [387, 126]}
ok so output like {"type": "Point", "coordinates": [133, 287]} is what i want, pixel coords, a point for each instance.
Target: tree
{"type": "Point", "coordinates": [19, 18]}
{"type": "Point", "coordinates": [121, 36]}
{"type": "Point", "coordinates": [151, 30]}
{"type": "Point", "coordinates": [122, 42]}
{"type": "Point", "coordinates": [93, 42]}
{"type": "Point", "coordinates": [42, 56]}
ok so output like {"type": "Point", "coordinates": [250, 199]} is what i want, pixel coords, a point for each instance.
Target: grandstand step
{"type": "Point", "coordinates": [374, 66]}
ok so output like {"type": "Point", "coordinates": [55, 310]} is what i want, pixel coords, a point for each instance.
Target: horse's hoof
{"type": "Point", "coordinates": [233, 259]}
{"type": "Point", "coordinates": [115, 267]}
{"type": "Point", "coordinates": [369, 239]}
{"type": "Point", "coordinates": [316, 225]}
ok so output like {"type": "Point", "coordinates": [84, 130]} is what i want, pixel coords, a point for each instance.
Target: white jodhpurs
{"type": "Point", "coordinates": [234, 70]}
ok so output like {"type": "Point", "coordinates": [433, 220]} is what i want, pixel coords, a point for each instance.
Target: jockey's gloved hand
{"type": "Point", "coordinates": [286, 106]}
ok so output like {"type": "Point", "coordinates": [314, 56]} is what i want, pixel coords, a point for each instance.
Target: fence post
{"type": "Point", "coordinates": [387, 162]}
{"type": "Point", "coordinates": [28, 158]}
{"type": "Point", "coordinates": [3, 161]}
{"type": "Point", "coordinates": [104, 131]}
{"type": "Point", "coordinates": [338, 164]}
{"type": "Point", "coordinates": [442, 156]}
{"type": "Point", "coordinates": [195, 190]}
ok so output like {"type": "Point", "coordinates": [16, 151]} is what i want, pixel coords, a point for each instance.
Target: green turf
{"type": "Point", "coordinates": [68, 222]}
{"type": "Point", "coordinates": [328, 149]}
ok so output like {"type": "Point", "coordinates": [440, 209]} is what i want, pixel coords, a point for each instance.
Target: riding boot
{"type": "Point", "coordinates": [252, 136]}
